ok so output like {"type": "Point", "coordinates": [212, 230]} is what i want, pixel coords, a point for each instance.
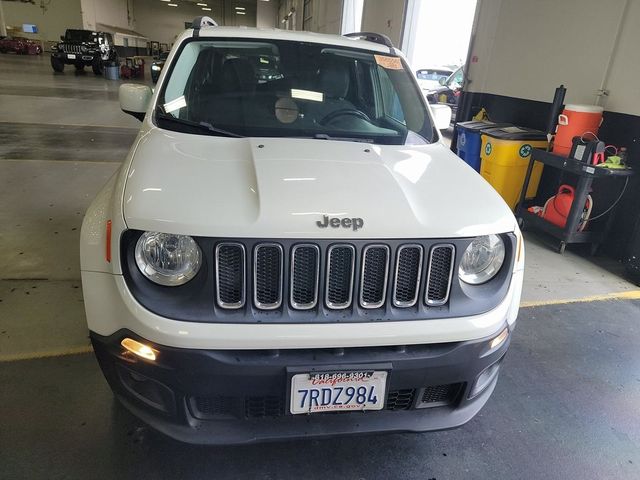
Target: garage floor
{"type": "Point", "coordinates": [566, 405]}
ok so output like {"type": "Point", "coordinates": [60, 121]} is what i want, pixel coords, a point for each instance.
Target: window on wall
{"type": "Point", "coordinates": [307, 14]}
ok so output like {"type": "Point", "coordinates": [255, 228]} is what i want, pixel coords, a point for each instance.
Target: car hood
{"type": "Point", "coordinates": [281, 187]}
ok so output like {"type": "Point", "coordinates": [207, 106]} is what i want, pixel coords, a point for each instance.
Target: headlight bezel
{"type": "Point", "coordinates": [491, 267]}
{"type": "Point", "coordinates": [162, 276]}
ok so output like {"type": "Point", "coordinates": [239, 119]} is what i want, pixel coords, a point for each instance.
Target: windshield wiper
{"type": "Point", "coordinates": [202, 126]}
{"type": "Point", "coordinates": [324, 136]}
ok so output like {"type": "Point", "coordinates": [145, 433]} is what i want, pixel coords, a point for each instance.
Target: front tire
{"type": "Point", "coordinates": [97, 66]}
{"type": "Point", "coordinates": [57, 64]}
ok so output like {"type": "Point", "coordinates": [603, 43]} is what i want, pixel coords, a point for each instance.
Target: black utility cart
{"type": "Point", "coordinates": [585, 175]}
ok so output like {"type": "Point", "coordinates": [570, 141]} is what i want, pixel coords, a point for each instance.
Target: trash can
{"type": "Point", "coordinates": [112, 71]}
{"type": "Point", "coordinates": [469, 141]}
{"type": "Point", "coordinates": [505, 156]}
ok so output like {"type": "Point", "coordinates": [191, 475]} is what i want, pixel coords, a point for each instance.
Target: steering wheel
{"type": "Point", "coordinates": [345, 111]}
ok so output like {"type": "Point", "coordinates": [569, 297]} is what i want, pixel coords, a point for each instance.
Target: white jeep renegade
{"type": "Point", "coordinates": [290, 251]}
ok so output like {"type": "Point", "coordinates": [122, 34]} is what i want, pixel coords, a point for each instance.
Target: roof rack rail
{"type": "Point", "coordinates": [200, 22]}
{"type": "Point", "coordinates": [372, 37]}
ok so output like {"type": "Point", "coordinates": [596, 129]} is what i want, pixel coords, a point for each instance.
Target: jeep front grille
{"type": "Point", "coordinates": [300, 275]}
{"type": "Point", "coordinates": [407, 276]}
{"type": "Point", "coordinates": [375, 273]}
{"type": "Point", "coordinates": [267, 279]}
{"type": "Point", "coordinates": [439, 274]}
{"type": "Point", "coordinates": [305, 272]}
{"type": "Point", "coordinates": [340, 270]}
{"type": "Point", "coordinates": [230, 275]}
{"type": "Point", "coordinates": [71, 48]}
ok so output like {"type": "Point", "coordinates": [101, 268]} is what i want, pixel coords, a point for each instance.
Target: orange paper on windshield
{"type": "Point", "coordinates": [390, 63]}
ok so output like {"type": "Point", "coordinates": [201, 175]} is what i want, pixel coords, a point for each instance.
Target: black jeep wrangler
{"type": "Point", "coordinates": [82, 48]}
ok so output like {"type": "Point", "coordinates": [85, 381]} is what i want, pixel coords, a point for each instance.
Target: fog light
{"type": "Point", "coordinates": [139, 349]}
{"type": "Point", "coordinates": [485, 379]}
{"type": "Point", "coordinates": [499, 340]}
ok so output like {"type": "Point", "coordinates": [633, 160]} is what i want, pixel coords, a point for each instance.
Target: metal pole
{"type": "Point", "coordinates": [3, 27]}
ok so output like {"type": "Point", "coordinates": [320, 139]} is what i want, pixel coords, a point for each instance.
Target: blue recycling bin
{"type": "Point", "coordinates": [469, 142]}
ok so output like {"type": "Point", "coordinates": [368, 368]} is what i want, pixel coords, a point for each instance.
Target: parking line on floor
{"type": "Point", "coordinates": [626, 295]}
{"type": "Point", "coordinates": [63, 352]}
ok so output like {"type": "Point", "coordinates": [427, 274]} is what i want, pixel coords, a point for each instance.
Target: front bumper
{"type": "Point", "coordinates": [73, 58]}
{"type": "Point", "coordinates": [241, 396]}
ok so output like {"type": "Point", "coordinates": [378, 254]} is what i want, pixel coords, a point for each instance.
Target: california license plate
{"type": "Point", "coordinates": [71, 56]}
{"type": "Point", "coordinates": [338, 391]}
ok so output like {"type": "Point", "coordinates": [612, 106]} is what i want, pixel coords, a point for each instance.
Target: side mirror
{"type": "Point", "coordinates": [442, 81]}
{"type": "Point", "coordinates": [62, 37]}
{"type": "Point", "coordinates": [441, 116]}
{"type": "Point", "coordinates": [134, 99]}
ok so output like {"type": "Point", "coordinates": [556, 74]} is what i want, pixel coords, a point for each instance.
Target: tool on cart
{"type": "Point", "coordinates": [554, 113]}
{"type": "Point", "coordinates": [556, 209]}
{"type": "Point", "coordinates": [587, 151]}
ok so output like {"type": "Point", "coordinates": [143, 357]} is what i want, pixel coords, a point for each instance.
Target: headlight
{"type": "Point", "coordinates": [482, 259]}
{"type": "Point", "coordinates": [83, 49]}
{"type": "Point", "coordinates": [168, 259]}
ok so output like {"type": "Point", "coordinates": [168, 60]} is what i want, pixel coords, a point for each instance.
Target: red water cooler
{"type": "Point", "coordinates": [576, 121]}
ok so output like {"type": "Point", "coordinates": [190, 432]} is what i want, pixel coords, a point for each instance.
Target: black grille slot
{"type": "Point", "coordinates": [230, 275]}
{"type": "Point", "coordinates": [305, 268]}
{"type": "Point", "coordinates": [375, 273]}
{"type": "Point", "coordinates": [71, 48]}
{"type": "Point", "coordinates": [268, 276]}
{"type": "Point", "coordinates": [216, 406]}
{"type": "Point", "coordinates": [268, 406]}
{"type": "Point", "coordinates": [407, 279]}
{"type": "Point", "coordinates": [400, 399]}
{"type": "Point", "coordinates": [439, 395]}
{"type": "Point", "coordinates": [439, 274]}
{"type": "Point", "coordinates": [340, 276]}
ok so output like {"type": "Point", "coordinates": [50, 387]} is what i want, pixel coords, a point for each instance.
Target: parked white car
{"type": "Point", "coordinates": [430, 78]}
{"type": "Point", "coordinates": [275, 251]}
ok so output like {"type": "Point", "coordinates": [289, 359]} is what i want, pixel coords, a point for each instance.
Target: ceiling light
{"type": "Point", "coordinates": [165, 0]}
{"type": "Point", "coordinates": [240, 8]}
{"type": "Point", "coordinates": [206, 9]}
{"type": "Point", "coordinates": [240, 13]}
{"type": "Point", "coordinates": [201, 4]}
{"type": "Point", "coordinates": [172, 4]}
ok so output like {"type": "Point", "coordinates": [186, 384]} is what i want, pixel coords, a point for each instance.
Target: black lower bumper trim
{"type": "Point", "coordinates": [232, 397]}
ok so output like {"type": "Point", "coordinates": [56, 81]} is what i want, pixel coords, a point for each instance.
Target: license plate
{"type": "Point", "coordinates": [338, 391]}
{"type": "Point", "coordinates": [71, 56]}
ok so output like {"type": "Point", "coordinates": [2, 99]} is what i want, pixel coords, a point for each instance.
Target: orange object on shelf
{"type": "Point", "coordinates": [575, 121]}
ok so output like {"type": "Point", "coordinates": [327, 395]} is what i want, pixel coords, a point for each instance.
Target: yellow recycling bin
{"type": "Point", "coordinates": [505, 154]}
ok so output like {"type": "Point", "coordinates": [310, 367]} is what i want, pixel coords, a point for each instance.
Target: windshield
{"type": "Point", "coordinates": [432, 74]}
{"type": "Point", "coordinates": [78, 36]}
{"type": "Point", "coordinates": [275, 88]}
{"type": "Point", "coordinates": [454, 82]}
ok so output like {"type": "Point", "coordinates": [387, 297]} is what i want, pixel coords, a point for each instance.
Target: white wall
{"type": "Point", "coordinates": [116, 13]}
{"type": "Point", "coordinates": [266, 14]}
{"type": "Point", "coordinates": [384, 17]}
{"type": "Point", "coordinates": [327, 17]}
{"type": "Point", "coordinates": [527, 48]}
{"type": "Point", "coordinates": [59, 15]}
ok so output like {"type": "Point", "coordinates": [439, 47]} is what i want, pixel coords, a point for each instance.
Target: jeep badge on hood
{"type": "Point", "coordinates": [355, 223]}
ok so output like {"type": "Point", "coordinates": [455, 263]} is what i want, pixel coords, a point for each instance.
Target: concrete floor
{"type": "Point", "coordinates": [565, 407]}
